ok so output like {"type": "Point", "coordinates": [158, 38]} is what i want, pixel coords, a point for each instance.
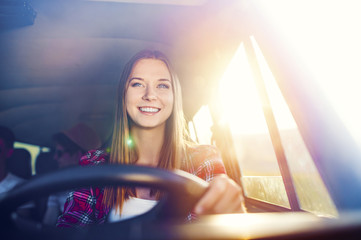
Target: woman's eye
{"type": "Point", "coordinates": [166, 86]}
{"type": "Point", "coordinates": [136, 84]}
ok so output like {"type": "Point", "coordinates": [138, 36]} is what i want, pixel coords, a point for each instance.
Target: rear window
{"type": "Point", "coordinates": [34, 151]}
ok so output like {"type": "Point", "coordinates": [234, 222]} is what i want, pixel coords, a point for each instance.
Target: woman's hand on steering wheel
{"type": "Point", "coordinates": [222, 196]}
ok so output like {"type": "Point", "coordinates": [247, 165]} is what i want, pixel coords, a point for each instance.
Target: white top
{"type": "Point", "coordinates": [9, 182]}
{"type": "Point", "coordinates": [132, 207]}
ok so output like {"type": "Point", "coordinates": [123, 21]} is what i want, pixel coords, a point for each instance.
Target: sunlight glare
{"type": "Point", "coordinates": [241, 106]}
{"type": "Point", "coordinates": [281, 113]}
{"type": "Point", "coordinates": [325, 35]}
{"type": "Point", "coordinates": [202, 121]}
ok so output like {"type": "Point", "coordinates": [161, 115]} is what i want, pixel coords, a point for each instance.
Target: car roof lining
{"type": "Point", "coordinates": [80, 47]}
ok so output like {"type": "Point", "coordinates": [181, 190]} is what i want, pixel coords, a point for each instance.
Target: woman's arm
{"type": "Point", "coordinates": [78, 209]}
{"type": "Point", "coordinates": [84, 206]}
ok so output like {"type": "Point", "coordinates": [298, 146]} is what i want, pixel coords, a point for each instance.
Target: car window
{"type": "Point", "coordinates": [34, 151]}
{"type": "Point", "coordinates": [200, 126]}
{"type": "Point", "coordinates": [311, 191]}
{"type": "Point", "coordinates": [242, 111]}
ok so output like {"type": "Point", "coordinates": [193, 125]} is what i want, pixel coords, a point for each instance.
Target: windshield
{"type": "Point", "coordinates": [325, 36]}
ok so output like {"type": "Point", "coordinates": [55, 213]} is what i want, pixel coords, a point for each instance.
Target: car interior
{"type": "Point", "coordinates": [247, 89]}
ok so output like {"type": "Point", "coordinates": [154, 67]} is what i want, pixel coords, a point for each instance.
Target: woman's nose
{"type": "Point", "coordinates": [149, 94]}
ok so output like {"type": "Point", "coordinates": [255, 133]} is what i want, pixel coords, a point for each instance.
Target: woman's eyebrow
{"type": "Point", "coordinates": [141, 79]}
{"type": "Point", "coordinates": [136, 78]}
{"type": "Point", "coordinates": [164, 80]}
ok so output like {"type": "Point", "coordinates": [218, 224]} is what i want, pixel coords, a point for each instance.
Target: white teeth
{"type": "Point", "coordinates": [148, 109]}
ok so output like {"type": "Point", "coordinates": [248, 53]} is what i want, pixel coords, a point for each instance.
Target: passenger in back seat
{"type": "Point", "coordinates": [7, 179]}
{"type": "Point", "coordinates": [70, 145]}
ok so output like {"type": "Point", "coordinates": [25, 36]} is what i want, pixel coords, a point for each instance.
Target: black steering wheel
{"type": "Point", "coordinates": [182, 191]}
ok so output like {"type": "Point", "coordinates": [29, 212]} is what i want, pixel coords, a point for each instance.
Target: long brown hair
{"type": "Point", "coordinates": [172, 154]}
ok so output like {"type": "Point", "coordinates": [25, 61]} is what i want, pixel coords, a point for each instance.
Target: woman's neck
{"type": "Point", "coordinates": [149, 143]}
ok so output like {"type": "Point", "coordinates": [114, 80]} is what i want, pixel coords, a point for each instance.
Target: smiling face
{"type": "Point", "coordinates": [149, 95]}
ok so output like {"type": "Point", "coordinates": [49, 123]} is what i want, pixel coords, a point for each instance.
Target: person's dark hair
{"type": "Point", "coordinates": [45, 163]}
{"type": "Point", "coordinates": [8, 136]}
{"type": "Point", "coordinates": [19, 163]}
{"type": "Point", "coordinates": [68, 145]}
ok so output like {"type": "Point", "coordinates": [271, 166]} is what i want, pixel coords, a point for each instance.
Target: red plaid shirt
{"type": "Point", "coordinates": [84, 206]}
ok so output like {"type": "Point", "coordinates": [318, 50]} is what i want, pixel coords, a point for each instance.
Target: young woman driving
{"type": "Point", "coordinates": [149, 115]}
